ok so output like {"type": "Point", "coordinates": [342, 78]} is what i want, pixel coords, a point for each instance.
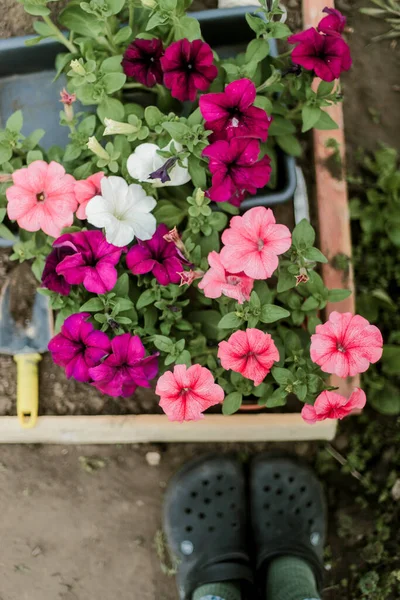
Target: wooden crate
{"type": "Point", "coordinates": [334, 231]}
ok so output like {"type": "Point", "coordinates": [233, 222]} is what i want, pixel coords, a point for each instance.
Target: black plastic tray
{"type": "Point", "coordinates": [26, 75]}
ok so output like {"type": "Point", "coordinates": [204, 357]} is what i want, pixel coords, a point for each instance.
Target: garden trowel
{"type": "Point", "coordinates": [26, 341]}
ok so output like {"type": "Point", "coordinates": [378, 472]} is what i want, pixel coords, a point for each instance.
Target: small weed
{"type": "Point", "coordinates": [389, 11]}
{"type": "Point", "coordinates": [168, 562]}
{"type": "Point", "coordinates": [91, 464]}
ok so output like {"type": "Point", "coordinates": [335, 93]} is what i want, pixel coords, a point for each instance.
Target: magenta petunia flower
{"type": "Point", "coordinates": [253, 243]}
{"type": "Point", "coordinates": [156, 256]}
{"type": "Point", "coordinates": [235, 169]}
{"type": "Point", "coordinates": [326, 55]}
{"type": "Point", "coordinates": [334, 23]}
{"type": "Point", "coordinates": [346, 344]}
{"type": "Point", "coordinates": [188, 68]}
{"type": "Point", "coordinates": [92, 261]}
{"type": "Point", "coordinates": [250, 353]}
{"type": "Point", "coordinates": [141, 61]}
{"type": "Point", "coordinates": [231, 113]}
{"type": "Point", "coordinates": [330, 405]}
{"type": "Point", "coordinates": [126, 368]}
{"type": "Point", "coordinates": [217, 281]}
{"type": "Point", "coordinates": [50, 278]}
{"type": "Point", "coordinates": [79, 346]}
{"type": "Point", "coordinates": [186, 392]}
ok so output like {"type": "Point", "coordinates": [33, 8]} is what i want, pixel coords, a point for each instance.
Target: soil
{"type": "Point", "coordinates": [79, 523]}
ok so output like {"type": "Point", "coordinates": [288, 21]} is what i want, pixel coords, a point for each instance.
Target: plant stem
{"type": "Point", "coordinates": [131, 14]}
{"type": "Point", "coordinates": [58, 34]}
{"type": "Point", "coordinates": [109, 36]}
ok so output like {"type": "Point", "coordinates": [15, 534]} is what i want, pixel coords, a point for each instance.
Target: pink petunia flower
{"type": "Point", "coordinates": [326, 55]}
{"type": "Point", "coordinates": [126, 368]}
{"type": "Point", "coordinates": [231, 113]}
{"type": "Point", "coordinates": [217, 281]}
{"type": "Point", "coordinates": [187, 392]}
{"type": "Point", "coordinates": [142, 61]}
{"type": "Point", "coordinates": [334, 23]}
{"type": "Point", "coordinates": [235, 169]}
{"type": "Point", "coordinates": [188, 68]}
{"type": "Point", "coordinates": [42, 197]}
{"type": "Point", "coordinates": [156, 256]}
{"type": "Point", "coordinates": [330, 405]}
{"type": "Point", "coordinates": [92, 261]}
{"type": "Point", "coordinates": [253, 243]}
{"type": "Point", "coordinates": [50, 278]}
{"type": "Point", "coordinates": [79, 346]}
{"type": "Point", "coordinates": [85, 190]}
{"type": "Point", "coordinates": [250, 353]}
{"type": "Point", "coordinates": [346, 345]}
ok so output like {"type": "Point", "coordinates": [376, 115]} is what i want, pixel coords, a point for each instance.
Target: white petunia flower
{"type": "Point", "coordinates": [145, 160]}
{"type": "Point", "coordinates": [123, 210]}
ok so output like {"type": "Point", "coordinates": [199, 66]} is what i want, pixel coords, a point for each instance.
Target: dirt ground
{"type": "Point", "coordinates": [78, 523]}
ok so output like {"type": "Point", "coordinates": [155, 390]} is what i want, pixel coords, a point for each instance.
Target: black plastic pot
{"type": "Point", "coordinates": [26, 75]}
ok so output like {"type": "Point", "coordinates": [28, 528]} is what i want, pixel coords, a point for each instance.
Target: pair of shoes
{"type": "Point", "coordinates": [218, 523]}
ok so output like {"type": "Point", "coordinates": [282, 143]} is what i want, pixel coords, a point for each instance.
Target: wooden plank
{"type": "Point", "coordinates": [156, 428]}
{"type": "Point", "coordinates": [332, 201]}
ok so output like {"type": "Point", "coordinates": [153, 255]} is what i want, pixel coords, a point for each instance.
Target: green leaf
{"type": "Point", "coordinates": [110, 108]}
{"type": "Point", "coordinates": [325, 88]}
{"type": "Point", "coordinates": [72, 152]}
{"type": "Point", "coordinates": [188, 28]}
{"type": "Point", "coordinates": [33, 155]}
{"type": "Point", "coordinates": [230, 321]}
{"type": "Point", "coordinates": [122, 35]}
{"type": "Point", "coordinates": [113, 82]}
{"type": "Point", "coordinates": [184, 358]}
{"type": "Point", "coordinates": [169, 214]}
{"type": "Point", "coordinates": [391, 359]}
{"type": "Point", "coordinates": [393, 232]}
{"type": "Point", "coordinates": [163, 343]}
{"type": "Point", "coordinates": [281, 126]}
{"type": "Point", "coordinates": [124, 304]}
{"type": "Point", "coordinates": [92, 305]}
{"type": "Point", "coordinates": [178, 131]}
{"type": "Point", "coordinates": [310, 304]}
{"type": "Point", "coordinates": [310, 116]}
{"type": "Point", "coordinates": [289, 144]}
{"type": "Point", "coordinates": [264, 103]}
{"type": "Point", "coordinates": [87, 125]}
{"type": "Point", "coordinates": [271, 313]}
{"type": "Point", "coordinates": [256, 51]}
{"type": "Point", "coordinates": [256, 23]}
{"type": "Point", "coordinates": [15, 122]}
{"type": "Point", "coordinates": [32, 140]}
{"type": "Point", "coordinates": [121, 288]}
{"type": "Point", "coordinates": [115, 6]}
{"type": "Point", "coordinates": [5, 153]}
{"type": "Point", "coordinates": [263, 292]}
{"type": "Point", "coordinates": [155, 20]}
{"type": "Point", "coordinates": [153, 116]}
{"type": "Point", "coordinates": [300, 389]}
{"type": "Point", "coordinates": [112, 64]}
{"type": "Point", "coordinates": [218, 220]}
{"type": "Point", "coordinates": [338, 295]}
{"type": "Point", "coordinates": [197, 171]}
{"type": "Point", "coordinates": [146, 298]}
{"type": "Point", "coordinates": [36, 10]}
{"type": "Point", "coordinates": [286, 281]}
{"type": "Point", "coordinates": [278, 398]}
{"type": "Point", "coordinates": [325, 122]}
{"type": "Point", "coordinates": [6, 234]}
{"type": "Point", "coordinates": [282, 376]}
{"type": "Point", "coordinates": [232, 403]}
{"type": "Point", "coordinates": [303, 235]}
{"type": "Point", "coordinates": [315, 254]}
{"type": "Point", "coordinates": [387, 400]}
{"type": "Point", "coordinates": [77, 20]}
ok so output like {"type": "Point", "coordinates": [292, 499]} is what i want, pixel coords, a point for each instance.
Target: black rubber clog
{"type": "Point", "coordinates": [205, 521]}
{"type": "Point", "coordinates": [288, 513]}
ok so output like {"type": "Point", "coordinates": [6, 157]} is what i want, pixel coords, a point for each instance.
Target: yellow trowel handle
{"type": "Point", "coordinates": [27, 388]}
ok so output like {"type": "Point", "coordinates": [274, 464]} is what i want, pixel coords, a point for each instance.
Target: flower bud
{"type": "Point", "coordinates": [97, 148]}
{"type": "Point", "coordinates": [68, 99]}
{"type": "Point", "coordinates": [77, 67]}
{"type": "Point", "coordinates": [149, 4]}
{"type": "Point", "coordinates": [116, 128]}
{"type": "Point", "coordinates": [5, 177]}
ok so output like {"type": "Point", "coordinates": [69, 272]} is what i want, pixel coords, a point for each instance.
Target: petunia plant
{"type": "Point", "coordinates": [136, 230]}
